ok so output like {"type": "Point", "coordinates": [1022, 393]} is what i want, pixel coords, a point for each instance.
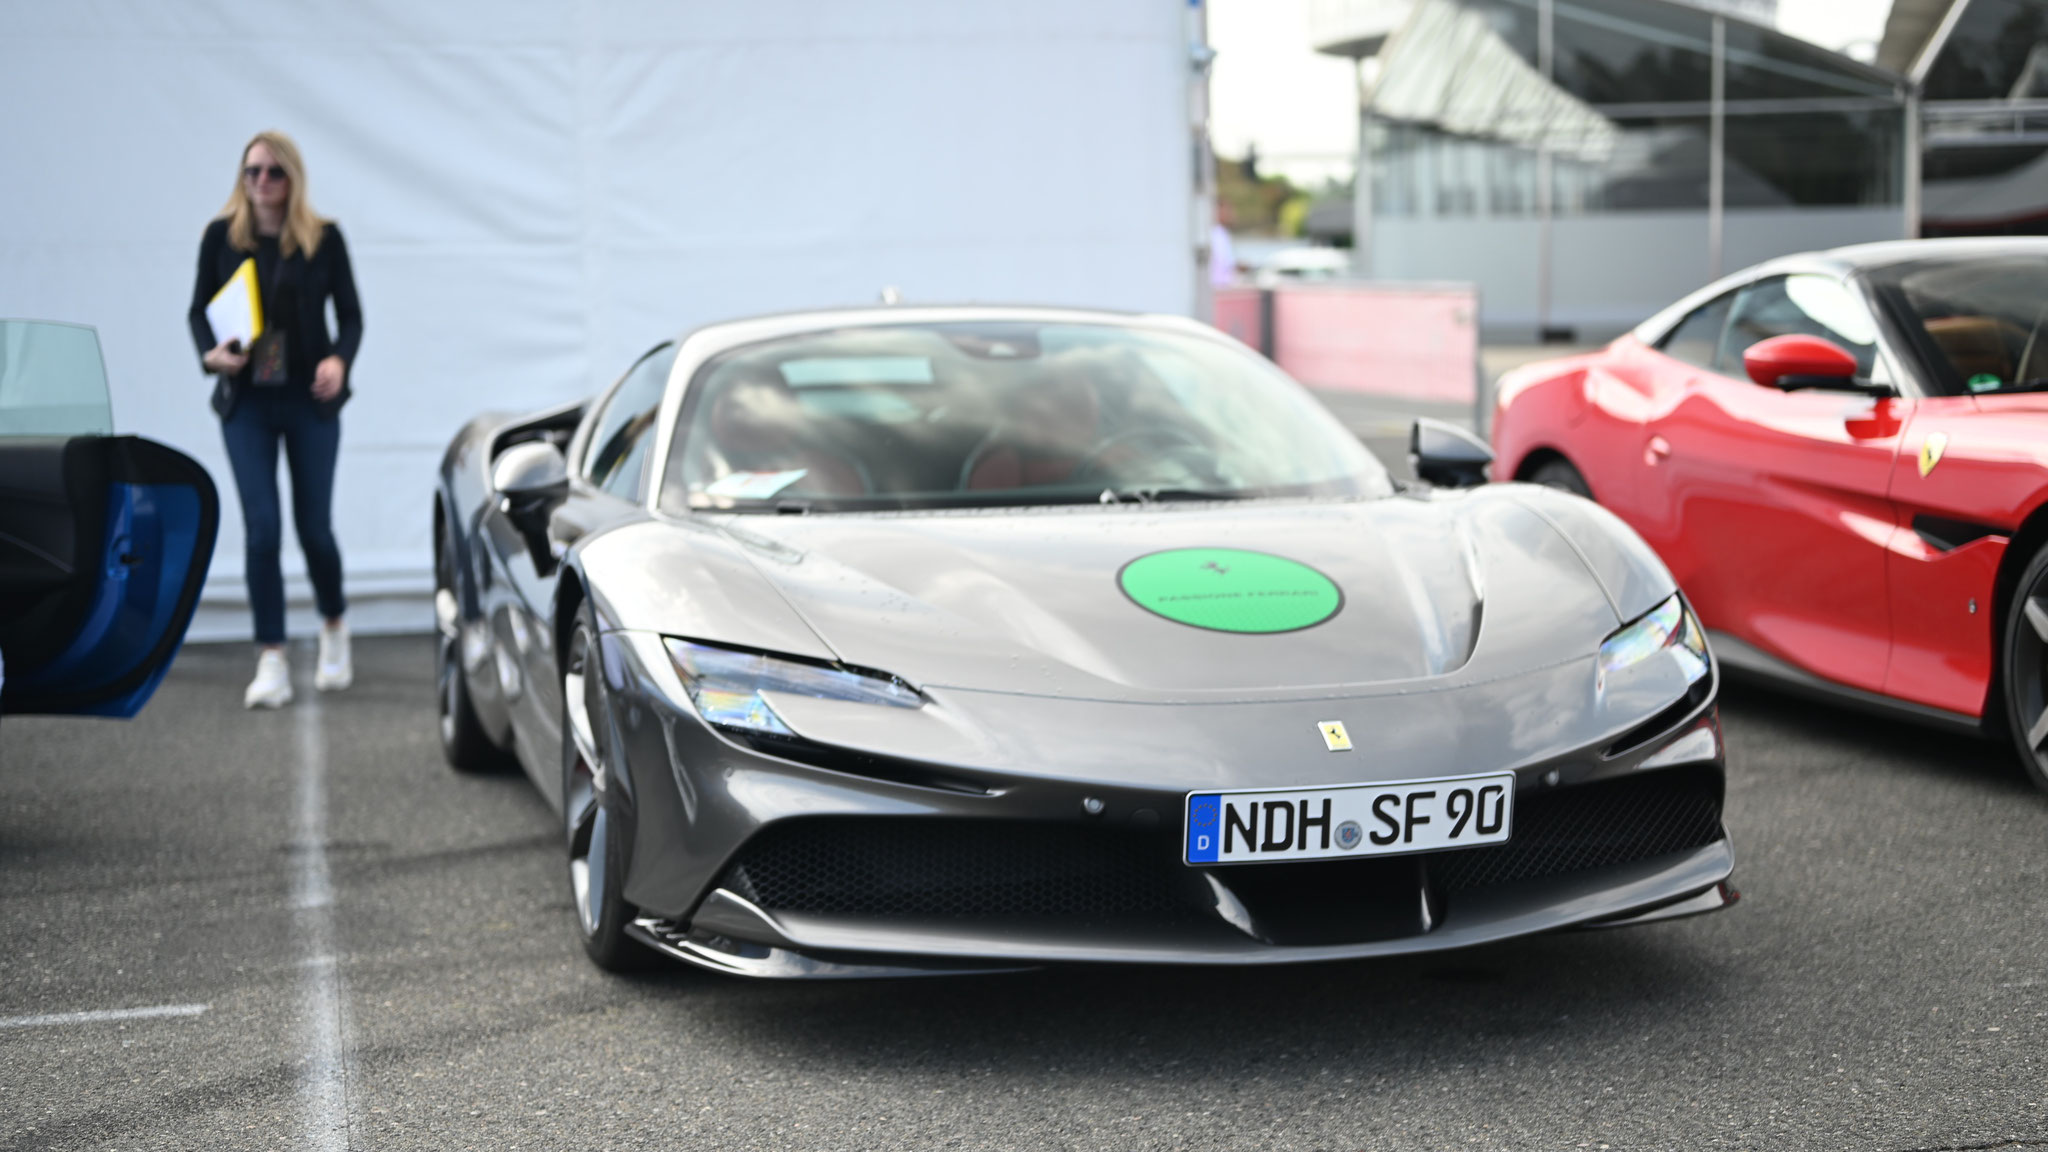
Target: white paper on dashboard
{"type": "Point", "coordinates": [753, 485]}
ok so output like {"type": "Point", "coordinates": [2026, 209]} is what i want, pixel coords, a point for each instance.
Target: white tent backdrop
{"type": "Point", "coordinates": [533, 193]}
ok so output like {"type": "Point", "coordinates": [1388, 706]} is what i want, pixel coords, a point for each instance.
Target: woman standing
{"type": "Point", "coordinates": [288, 387]}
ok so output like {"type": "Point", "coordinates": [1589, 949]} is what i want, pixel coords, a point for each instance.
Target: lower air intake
{"type": "Point", "coordinates": [954, 869]}
{"type": "Point", "coordinates": [918, 868]}
{"type": "Point", "coordinates": [1594, 825]}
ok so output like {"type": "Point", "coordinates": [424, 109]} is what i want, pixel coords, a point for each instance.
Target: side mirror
{"type": "Point", "coordinates": [531, 479]}
{"type": "Point", "coordinates": [1448, 456]}
{"type": "Point", "coordinates": [529, 471]}
{"type": "Point", "coordinates": [1794, 362]}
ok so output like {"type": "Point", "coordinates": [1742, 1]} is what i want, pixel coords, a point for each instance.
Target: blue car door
{"type": "Point", "coordinates": [104, 539]}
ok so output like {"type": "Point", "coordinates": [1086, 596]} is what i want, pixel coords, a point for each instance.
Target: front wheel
{"type": "Point", "coordinates": [464, 743]}
{"type": "Point", "coordinates": [1557, 472]}
{"type": "Point", "coordinates": [2026, 668]}
{"type": "Point", "coordinates": [597, 833]}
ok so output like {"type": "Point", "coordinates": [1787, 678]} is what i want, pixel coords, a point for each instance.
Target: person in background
{"type": "Point", "coordinates": [287, 388]}
{"type": "Point", "coordinates": [1222, 253]}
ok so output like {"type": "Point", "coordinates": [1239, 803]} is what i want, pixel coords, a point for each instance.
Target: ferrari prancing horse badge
{"type": "Point", "coordinates": [1930, 451]}
{"type": "Point", "coordinates": [1334, 735]}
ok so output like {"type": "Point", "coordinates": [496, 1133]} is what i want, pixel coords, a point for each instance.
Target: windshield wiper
{"type": "Point", "coordinates": [1168, 495]}
{"type": "Point", "coordinates": [2036, 384]}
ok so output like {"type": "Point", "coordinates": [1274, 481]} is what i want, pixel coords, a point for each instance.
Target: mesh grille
{"type": "Point", "coordinates": [1593, 826]}
{"type": "Point", "coordinates": [985, 869]}
{"type": "Point", "coordinates": [881, 866]}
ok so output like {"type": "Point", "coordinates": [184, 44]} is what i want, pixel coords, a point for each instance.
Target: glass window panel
{"type": "Point", "coordinates": [1764, 65]}
{"type": "Point", "coordinates": [1980, 325]}
{"type": "Point", "coordinates": [1625, 52]}
{"type": "Point", "coordinates": [1014, 413]}
{"type": "Point", "coordinates": [1658, 164]}
{"type": "Point", "coordinates": [1987, 57]}
{"type": "Point", "coordinates": [1514, 22]}
{"type": "Point", "coordinates": [1698, 336]}
{"type": "Point", "coordinates": [52, 380]}
{"type": "Point", "coordinates": [1421, 172]}
{"type": "Point", "coordinates": [1991, 158]}
{"type": "Point", "coordinates": [1806, 305]}
{"type": "Point", "coordinates": [1813, 158]}
{"type": "Point", "coordinates": [624, 429]}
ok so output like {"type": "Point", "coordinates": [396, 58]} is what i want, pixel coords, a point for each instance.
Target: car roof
{"type": "Point", "coordinates": [1848, 260]}
{"type": "Point", "coordinates": [1884, 253]}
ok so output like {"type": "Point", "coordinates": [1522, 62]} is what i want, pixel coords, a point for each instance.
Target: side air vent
{"type": "Point", "coordinates": [1945, 535]}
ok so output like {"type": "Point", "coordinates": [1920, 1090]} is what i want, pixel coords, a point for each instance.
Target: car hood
{"type": "Point", "coordinates": [1430, 591]}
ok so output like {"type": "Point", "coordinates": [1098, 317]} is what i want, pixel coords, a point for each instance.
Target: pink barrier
{"type": "Point", "coordinates": [1238, 313]}
{"type": "Point", "coordinates": [1417, 342]}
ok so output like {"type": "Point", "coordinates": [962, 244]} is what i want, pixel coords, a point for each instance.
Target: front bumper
{"type": "Point", "coordinates": [1249, 914]}
{"type": "Point", "coordinates": [766, 865]}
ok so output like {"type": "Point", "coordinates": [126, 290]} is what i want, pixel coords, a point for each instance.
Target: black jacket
{"type": "Point", "coordinates": [297, 300]}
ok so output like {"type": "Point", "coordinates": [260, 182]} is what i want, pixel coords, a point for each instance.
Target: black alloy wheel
{"type": "Point", "coordinates": [597, 832]}
{"type": "Point", "coordinates": [464, 743]}
{"type": "Point", "coordinates": [2026, 668]}
{"type": "Point", "coordinates": [1557, 472]}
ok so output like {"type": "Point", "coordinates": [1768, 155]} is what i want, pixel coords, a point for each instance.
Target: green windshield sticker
{"type": "Point", "coordinates": [1984, 382]}
{"type": "Point", "coordinates": [1230, 590]}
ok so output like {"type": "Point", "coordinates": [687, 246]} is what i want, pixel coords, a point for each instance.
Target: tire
{"type": "Point", "coordinates": [2024, 671]}
{"type": "Point", "coordinates": [1557, 472]}
{"type": "Point", "coordinates": [598, 832]}
{"type": "Point", "coordinates": [464, 743]}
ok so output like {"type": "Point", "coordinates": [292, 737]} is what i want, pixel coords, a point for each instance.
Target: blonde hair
{"type": "Point", "coordinates": [302, 226]}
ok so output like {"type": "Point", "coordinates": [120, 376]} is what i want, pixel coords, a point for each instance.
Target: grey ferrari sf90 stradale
{"type": "Point", "coordinates": [950, 639]}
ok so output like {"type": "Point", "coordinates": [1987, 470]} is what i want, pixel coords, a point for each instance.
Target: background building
{"type": "Point", "coordinates": [1586, 161]}
{"type": "Point", "coordinates": [1980, 69]}
{"type": "Point", "coordinates": [534, 192]}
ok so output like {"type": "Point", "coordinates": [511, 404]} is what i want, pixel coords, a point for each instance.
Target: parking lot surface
{"type": "Point", "coordinates": [299, 930]}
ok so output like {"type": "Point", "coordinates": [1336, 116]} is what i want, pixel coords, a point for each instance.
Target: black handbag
{"type": "Point", "coordinates": [224, 396]}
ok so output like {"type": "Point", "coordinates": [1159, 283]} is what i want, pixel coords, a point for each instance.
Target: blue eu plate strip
{"type": "Point", "coordinates": [1204, 812]}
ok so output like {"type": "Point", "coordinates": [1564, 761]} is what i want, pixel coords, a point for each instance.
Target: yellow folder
{"type": "Point", "coordinates": [236, 311]}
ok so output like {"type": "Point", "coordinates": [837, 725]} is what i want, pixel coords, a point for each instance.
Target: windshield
{"type": "Point", "coordinates": [52, 380]}
{"type": "Point", "coordinates": [1978, 323]}
{"type": "Point", "coordinates": [986, 414]}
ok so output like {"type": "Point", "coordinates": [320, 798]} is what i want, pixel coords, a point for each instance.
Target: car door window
{"type": "Point", "coordinates": [1698, 336]}
{"type": "Point", "coordinates": [52, 380]}
{"type": "Point", "coordinates": [1803, 304]}
{"type": "Point", "coordinates": [623, 433]}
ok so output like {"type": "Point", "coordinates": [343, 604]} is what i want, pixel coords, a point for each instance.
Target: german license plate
{"type": "Point", "coordinates": [1245, 827]}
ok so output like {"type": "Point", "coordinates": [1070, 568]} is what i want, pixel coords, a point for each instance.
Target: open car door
{"type": "Point", "coordinates": [104, 539]}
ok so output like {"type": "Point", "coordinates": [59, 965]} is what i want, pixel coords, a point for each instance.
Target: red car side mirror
{"type": "Point", "coordinates": [1796, 361]}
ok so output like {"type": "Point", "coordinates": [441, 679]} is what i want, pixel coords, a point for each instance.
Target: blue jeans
{"type": "Point", "coordinates": [311, 444]}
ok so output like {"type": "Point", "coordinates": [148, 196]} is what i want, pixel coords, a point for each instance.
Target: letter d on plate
{"type": "Point", "coordinates": [1203, 818]}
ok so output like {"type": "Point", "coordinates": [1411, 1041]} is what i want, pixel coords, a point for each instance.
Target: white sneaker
{"type": "Point", "coordinates": [334, 672]}
{"type": "Point", "coordinates": [272, 687]}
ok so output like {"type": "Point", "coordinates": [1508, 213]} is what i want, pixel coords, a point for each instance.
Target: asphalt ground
{"type": "Point", "coordinates": [371, 951]}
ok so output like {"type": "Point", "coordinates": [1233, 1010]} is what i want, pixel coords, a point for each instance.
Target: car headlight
{"type": "Point", "coordinates": [1669, 626]}
{"type": "Point", "coordinates": [726, 685]}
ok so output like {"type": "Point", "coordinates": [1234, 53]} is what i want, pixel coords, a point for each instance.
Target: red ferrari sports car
{"type": "Point", "coordinates": [1843, 457]}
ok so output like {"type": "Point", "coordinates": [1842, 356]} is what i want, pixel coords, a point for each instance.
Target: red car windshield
{"type": "Point", "coordinates": [1979, 325]}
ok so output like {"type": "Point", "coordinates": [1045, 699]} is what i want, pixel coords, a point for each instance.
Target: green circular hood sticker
{"type": "Point", "coordinates": [1230, 590]}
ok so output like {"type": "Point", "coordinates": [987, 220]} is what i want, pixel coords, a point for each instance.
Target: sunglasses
{"type": "Point", "coordinates": [256, 172]}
